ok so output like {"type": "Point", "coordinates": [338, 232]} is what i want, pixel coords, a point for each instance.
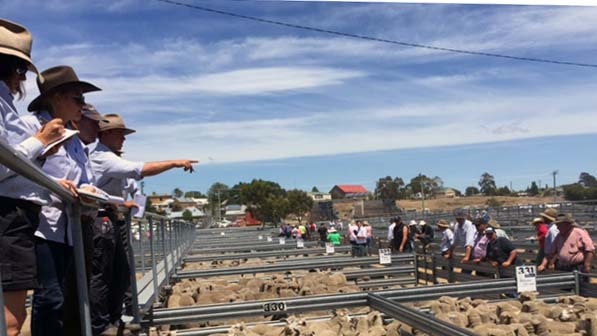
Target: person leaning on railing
{"type": "Point", "coordinates": [60, 96]}
{"type": "Point", "coordinates": [110, 273]}
{"type": "Point", "coordinates": [20, 199]}
{"type": "Point", "coordinates": [573, 247]}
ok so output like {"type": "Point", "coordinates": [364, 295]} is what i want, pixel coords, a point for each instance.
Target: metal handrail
{"type": "Point", "coordinates": [12, 159]}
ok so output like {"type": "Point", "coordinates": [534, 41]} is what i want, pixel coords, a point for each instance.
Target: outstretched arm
{"type": "Point", "coordinates": [158, 167]}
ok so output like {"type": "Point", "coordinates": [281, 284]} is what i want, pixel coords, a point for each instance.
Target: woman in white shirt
{"type": "Point", "coordinates": [20, 199]}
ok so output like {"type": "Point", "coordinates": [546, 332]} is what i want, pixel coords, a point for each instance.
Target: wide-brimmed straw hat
{"type": "Point", "coordinates": [537, 220]}
{"type": "Point", "coordinates": [550, 214]}
{"type": "Point", "coordinates": [442, 223]}
{"type": "Point", "coordinates": [114, 121]}
{"type": "Point", "coordinates": [58, 78]}
{"type": "Point", "coordinates": [494, 224]}
{"type": "Point", "coordinates": [15, 40]}
{"type": "Point", "coordinates": [564, 218]}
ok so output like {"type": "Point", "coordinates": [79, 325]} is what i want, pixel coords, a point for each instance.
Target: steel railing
{"type": "Point", "coordinates": [176, 239]}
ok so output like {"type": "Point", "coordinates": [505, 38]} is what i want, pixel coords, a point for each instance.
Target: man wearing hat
{"type": "Point", "coordinates": [447, 237]}
{"type": "Point", "coordinates": [464, 236]}
{"type": "Point", "coordinates": [110, 277]}
{"type": "Point", "coordinates": [573, 247]}
{"type": "Point", "coordinates": [549, 217]}
{"type": "Point", "coordinates": [426, 234]}
{"type": "Point", "coordinates": [500, 252]}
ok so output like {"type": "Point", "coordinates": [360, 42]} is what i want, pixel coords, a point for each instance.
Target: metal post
{"type": "Point", "coordinates": [132, 270]}
{"type": "Point", "coordinates": [141, 247]}
{"type": "Point", "coordinates": [170, 251]}
{"type": "Point", "coordinates": [555, 193]}
{"type": "Point", "coordinates": [2, 320]}
{"type": "Point", "coordinates": [80, 270]}
{"type": "Point", "coordinates": [163, 234]}
{"type": "Point", "coordinates": [576, 282]}
{"type": "Point", "coordinates": [154, 264]}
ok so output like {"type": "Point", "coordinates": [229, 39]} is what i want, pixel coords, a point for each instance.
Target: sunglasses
{"type": "Point", "coordinates": [21, 70]}
{"type": "Point", "coordinates": [79, 99]}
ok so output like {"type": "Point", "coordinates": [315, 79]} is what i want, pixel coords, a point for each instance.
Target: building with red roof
{"type": "Point", "coordinates": [349, 191]}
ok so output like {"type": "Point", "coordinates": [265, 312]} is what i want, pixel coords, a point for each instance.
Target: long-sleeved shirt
{"type": "Point", "coordinates": [391, 231]}
{"type": "Point", "coordinates": [71, 162]}
{"type": "Point", "coordinates": [464, 235]}
{"type": "Point", "coordinates": [447, 240]}
{"type": "Point", "coordinates": [480, 247]}
{"type": "Point", "coordinates": [550, 238]}
{"type": "Point", "coordinates": [111, 171]}
{"type": "Point", "coordinates": [16, 134]}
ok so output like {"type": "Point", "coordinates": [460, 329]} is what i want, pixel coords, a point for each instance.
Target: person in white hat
{"type": "Point", "coordinates": [20, 199]}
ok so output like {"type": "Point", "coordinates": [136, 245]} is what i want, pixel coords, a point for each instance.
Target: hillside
{"type": "Point", "coordinates": [447, 204]}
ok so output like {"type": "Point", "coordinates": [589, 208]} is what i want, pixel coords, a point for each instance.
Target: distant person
{"type": "Point", "coordinates": [304, 232]}
{"type": "Point", "coordinates": [369, 231]}
{"type": "Point", "coordinates": [323, 234]}
{"type": "Point", "coordinates": [352, 237]}
{"type": "Point", "coordinates": [391, 232]}
{"type": "Point", "coordinates": [464, 236]}
{"type": "Point", "coordinates": [573, 247]}
{"type": "Point", "coordinates": [500, 252]}
{"type": "Point", "coordinates": [480, 241]}
{"type": "Point", "coordinates": [334, 237]}
{"type": "Point", "coordinates": [413, 231]}
{"type": "Point", "coordinates": [447, 237]}
{"type": "Point", "coordinates": [296, 233]}
{"type": "Point", "coordinates": [401, 236]}
{"type": "Point", "coordinates": [425, 235]}
{"type": "Point", "coordinates": [361, 239]}
{"type": "Point", "coordinates": [541, 232]}
{"type": "Point", "coordinates": [549, 217]}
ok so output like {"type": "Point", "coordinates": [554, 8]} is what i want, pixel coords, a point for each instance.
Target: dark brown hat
{"type": "Point", "coordinates": [56, 78]}
{"type": "Point", "coordinates": [564, 218]}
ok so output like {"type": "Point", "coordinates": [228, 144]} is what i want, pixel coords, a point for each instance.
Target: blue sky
{"type": "Point", "coordinates": [301, 108]}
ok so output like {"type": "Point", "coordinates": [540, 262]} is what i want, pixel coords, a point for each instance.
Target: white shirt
{"type": "Point", "coordinates": [447, 240]}
{"type": "Point", "coordinates": [464, 235]}
{"type": "Point", "coordinates": [71, 162]}
{"type": "Point", "coordinates": [550, 237]}
{"type": "Point", "coordinates": [111, 170]}
{"type": "Point", "coordinates": [391, 231]}
{"type": "Point", "coordinates": [16, 134]}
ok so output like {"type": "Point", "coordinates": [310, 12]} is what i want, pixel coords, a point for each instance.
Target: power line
{"type": "Point", "coordinates": [369, 38]}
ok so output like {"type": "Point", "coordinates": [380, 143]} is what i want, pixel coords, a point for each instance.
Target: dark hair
{"type": "Point", "coordinates": [8, 66]}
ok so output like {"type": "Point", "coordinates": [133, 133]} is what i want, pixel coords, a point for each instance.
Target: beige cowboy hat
{"type": "Point", "coordinates": [114, 121]}
{"type": "Point", "coordinates": [564, 218]}
{"type": "Point", "coordinates": [57, 78]}
{"type": "Point", "coordinates": [15, 40]}
{"type": "Point", "coordinates": [550, 214]}
{"type": "Point", "coordinates": [442, 223]}
{"type": "Point", "coordinates": [537, 220]}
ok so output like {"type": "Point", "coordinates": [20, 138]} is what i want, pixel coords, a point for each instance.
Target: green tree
{"type": "Point", "coordinates": [503, 191]}
{"type": "Point", "coordinates": [471, 191]}
{"type": "Point", "coordinates": [314, 189]}
{"type": "Point", "coordinates": [299, 203]}
{"type": "Point", "coordinates": [388, 188]}
{"type": "Point", "coordinates": [533, 190]}
{"type": "Point", "coordinates": [194, 194]}
{"type": "Point", "coordinates": [431, 186]}
{"type": "Point", "coordinates": [187, 215]}
{"type": "Point", "coordinates": [266, 200]}
{"type": "Point", "coordinates": [487, 184]}
{"type": "Point", "coordinates": [177, 192]}
{"type": "Point", "coordinates": [587, 180]}
{"type": "Point", "coordinates": [216, 194]}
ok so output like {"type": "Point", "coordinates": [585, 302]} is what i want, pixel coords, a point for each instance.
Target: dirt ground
{"type": "Point", "coordinates": [448, 204]}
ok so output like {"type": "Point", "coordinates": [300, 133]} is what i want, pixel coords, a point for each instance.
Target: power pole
{"type": "Point", "coordinates": [422, 198]}
{"type": "Point", "coordinates": [555, 193]}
